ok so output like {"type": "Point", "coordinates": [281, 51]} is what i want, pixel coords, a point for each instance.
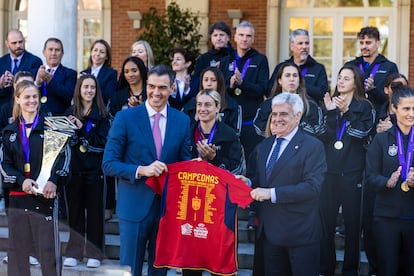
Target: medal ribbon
{"type": "Point", "coordinates": [88, 126]}
{"type": "Point", "coordinates": [25, 141]}
{"type": "Point", "coordinates": [245, 66]}
{"type": "Point", "coordinates": [304, 71]}
{"type": "Point", "coordinates": [199, 135]}
{"type": "Point", "coordinates": [373, 71]}
{"type": "Point", "coordinates": [405, 162]}
{"type": "Point", "coordinates": [44, 89]}
{"type": "Point", "coordinates": [340, 131]}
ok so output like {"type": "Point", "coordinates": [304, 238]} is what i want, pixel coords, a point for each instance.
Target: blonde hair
{"type": "Point", "coordinates": [216, 98]}
{"type": "Point", "coordinates": [148, 49]}
{"type": "Point", "coordinates": [20, 88]}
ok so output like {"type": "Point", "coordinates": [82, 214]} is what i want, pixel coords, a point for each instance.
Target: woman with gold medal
{"type": "Point", "coordinates": [349, 120]}
{"type": "Point", "coordinates": [390, 173]}
{"type": "Point", "coordinates": [30, 216]}
{"type": "Point", "coordinates": [85, 191]}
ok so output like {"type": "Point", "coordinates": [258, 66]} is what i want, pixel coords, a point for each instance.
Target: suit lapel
{"type": "Point", "coordinates": [169, 130]}
{"type": "Point", "coordinates": [146, 128]}
{"type": "Point", "coordinates": [262, 158]}
{"type": "Point", "coordinates": [290, 151]}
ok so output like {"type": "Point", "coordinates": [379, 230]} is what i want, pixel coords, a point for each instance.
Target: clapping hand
{"type": "Point", "coordinates": [392, 181]}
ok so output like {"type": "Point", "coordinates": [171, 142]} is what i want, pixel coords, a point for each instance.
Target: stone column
{"type": "Point", "coordinates": [51, 18]}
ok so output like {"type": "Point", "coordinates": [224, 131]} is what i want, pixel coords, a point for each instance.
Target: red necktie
{"type": "Point", "coordinates": [156, 133]}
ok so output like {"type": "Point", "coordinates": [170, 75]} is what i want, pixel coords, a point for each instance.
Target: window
{"type": "Point", "coordinates": [333, 26]}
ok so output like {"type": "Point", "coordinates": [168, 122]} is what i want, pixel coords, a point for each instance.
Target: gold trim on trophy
{"type": "Point", "coordinates": [405, 187]}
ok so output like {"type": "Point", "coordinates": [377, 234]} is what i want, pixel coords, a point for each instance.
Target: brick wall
{"type": "Point", "coordinates": [253, 11]}
{"type": "Point", "coordinates": [123, 33]}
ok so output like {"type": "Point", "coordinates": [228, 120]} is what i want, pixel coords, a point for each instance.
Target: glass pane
{"type": "Point", "coordinates": [352, 25]}
{"type": "Point", "coordinates": [91, 4]}
{"type": "Point", "coordinates": [322, 26]}
{"type": "Point", "coordinates": [327, 62]}
{"type": "Point", "coordinates": [382, 23]}
{"type": "Point", "coordinates": [350, 49]}
{"type": "Point", "coordinates": [381, 3]}
{"type": "Point", "coordinates": [325, 3]}
{"type": "Point", "coordinates": [298, 23]}
{"type": "Point", "coordinates": [322, 47]}
{"type": "Point", "coordinates": [87, 44]}
{"type": "Point", "coordinates": [297, 3]}
{"type": "Point", "coordinates": [350, 3]}
{"type": "Point", "coordinates": [91, 27]}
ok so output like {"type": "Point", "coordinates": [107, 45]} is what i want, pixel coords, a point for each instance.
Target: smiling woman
{"type": "Point", "coordinates": [30, 213]}
{"type": "Point", "coordinates": [86, 217]}
{"type": "Point", "coordinates": [131, 86]}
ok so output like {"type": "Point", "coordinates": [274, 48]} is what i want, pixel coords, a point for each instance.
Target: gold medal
{"type": "Point", "coordinates": [338, 145]}
{"type": "Point", "coordinates": [405, 187]}
{"type": "Point", "coordinates": [83, 149]}
{"type": "Point", "coordinates": [237, 91]}
{"type": "Point", "coordinates": [27, 167]}
{"type": "Point", "coordinates": [43, 99]}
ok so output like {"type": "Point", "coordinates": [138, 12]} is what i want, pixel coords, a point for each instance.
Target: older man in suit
{"type": "Point", "coordinates": [55, 81]}
{"type": "Point", "coordinates": [18, 59]}
{"type": "Point", "coordinates": [142, 140]}
{"type": "Point", "coordinates": [290, 172]}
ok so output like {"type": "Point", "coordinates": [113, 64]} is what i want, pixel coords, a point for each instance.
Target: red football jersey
{"type": "Point", "coordinates": [198, 225]}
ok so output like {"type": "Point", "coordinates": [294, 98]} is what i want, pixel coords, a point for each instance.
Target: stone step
{"type": "Point", "coordinates": [245, 250]}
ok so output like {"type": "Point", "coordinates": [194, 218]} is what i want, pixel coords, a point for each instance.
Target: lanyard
{"type": "Point", "coordinates": [405, 161]}
{"type": "Point", "coordinates": [26, 144]}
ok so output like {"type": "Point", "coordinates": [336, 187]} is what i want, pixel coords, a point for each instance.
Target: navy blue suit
{"type": "Point", "coordinates": [29, 62]}
{"type": "Point", "coordinates": [60, 90]}
{"type": "Point", "coordinates": [292, 224]}
{"type": "Point", "coordinates": [130, 144]}
{"type": "Point", "coordinates": [107, 79]}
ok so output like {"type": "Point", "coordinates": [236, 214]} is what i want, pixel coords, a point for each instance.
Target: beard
{"type": "Point", "coordinates": [304, 56]}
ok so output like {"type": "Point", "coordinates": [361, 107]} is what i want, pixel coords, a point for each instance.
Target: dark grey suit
{"type": "Point", "coordinates": [290, 229]}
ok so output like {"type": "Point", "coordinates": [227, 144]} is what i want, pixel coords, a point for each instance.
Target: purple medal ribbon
{"type": "Point", "coordinates": [44, 90]}
{"type": "Point", "coordinates": [210, 137]}
{"type": "Point", "coordinates": [340, 131]}
{"type": "Point", "coordinates": [373, 71]}
{"type": "Point", "coordinates": [88, 126]}
{"type": "Point", "coordinates": [25, 139]}
{"type": "Point", "coordinates": [304, 71]}
{"type": "Point", "coordinates": [405, 162]}
{"type": "Point", "coordinates": [245, 66]}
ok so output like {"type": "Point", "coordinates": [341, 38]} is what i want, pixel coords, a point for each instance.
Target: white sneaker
{"type": "Point", "coordinates": [70, 262]}
{"type": "Point", "coordinates": [93, 263]}
{"type": "Point", "coordinates": [33, 261]}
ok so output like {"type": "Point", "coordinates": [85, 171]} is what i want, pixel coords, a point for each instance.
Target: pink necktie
{"type": "Point", "coordinates": [156, 133]}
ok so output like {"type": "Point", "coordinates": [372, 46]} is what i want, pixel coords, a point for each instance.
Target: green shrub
{"type": "Point", "coordinates": [174, 28]}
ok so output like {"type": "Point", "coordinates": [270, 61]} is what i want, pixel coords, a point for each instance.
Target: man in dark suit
{"type": "Point", "coordinates": [134, 151]}
{"type": "Point", "coordinates": [55, 81]}
{"type": "Point", "coordinates": [18, 59]}
{"type": "Point", "coordinates": [290, 172]}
